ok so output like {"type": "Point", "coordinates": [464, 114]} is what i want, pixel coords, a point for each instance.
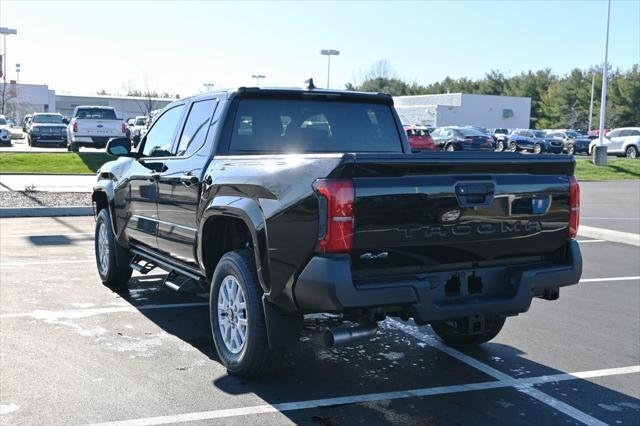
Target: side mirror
{"type": "Point", "coordinates": [119, 147]}
{"type": "Point", "coordinates": [65, 121]}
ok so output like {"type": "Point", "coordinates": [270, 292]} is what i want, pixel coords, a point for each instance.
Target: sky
{"type": "Point", "coordinates": [80, 47]}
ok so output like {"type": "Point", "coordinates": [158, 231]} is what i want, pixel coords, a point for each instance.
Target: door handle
{"type": "Point", "coordinates": [475, 194]}
{"type": "Point", "coordinates": [189, 179]}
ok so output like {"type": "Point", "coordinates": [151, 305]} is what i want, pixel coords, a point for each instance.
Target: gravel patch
{"type": "Point", "coordinates": [44, 199]}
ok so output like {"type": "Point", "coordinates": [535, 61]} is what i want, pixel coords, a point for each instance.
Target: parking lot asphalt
{"type": "Point", "coordinates": [611, 205]}
{"type": "Point", "coordinates": [74, 352]}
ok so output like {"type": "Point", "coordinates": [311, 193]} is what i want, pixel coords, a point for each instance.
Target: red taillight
{"type": "Point", "coordinates": [336, 215]}
{"type": "Point", "coordinates": [574, 204]}
{"type": "Point", "coordinates": [75, 127]}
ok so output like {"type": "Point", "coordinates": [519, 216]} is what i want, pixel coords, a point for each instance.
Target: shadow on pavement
{"type": "Point", "coordinates": [392, 361]}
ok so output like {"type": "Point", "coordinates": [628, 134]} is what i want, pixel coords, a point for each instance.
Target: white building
{"type": "Point", "coordinates": [25, 99]}
{"type": "Point", "coordinates": [461, 109]}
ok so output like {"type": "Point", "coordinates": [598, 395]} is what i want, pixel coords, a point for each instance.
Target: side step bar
{"type": "Point", "coordinates": [178, 279]}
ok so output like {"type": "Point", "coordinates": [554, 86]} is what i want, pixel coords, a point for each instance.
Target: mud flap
{"type": "Point", "coordinates": [282, 329]}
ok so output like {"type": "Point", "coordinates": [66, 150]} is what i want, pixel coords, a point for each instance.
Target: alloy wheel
{"type": "Point", "coordinates": [103, 248]}
{"type": "Point", "coordinates": [232, 314]}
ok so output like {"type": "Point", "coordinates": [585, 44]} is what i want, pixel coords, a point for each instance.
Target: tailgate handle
{"type": "Point", "coordinates": [475, 194]}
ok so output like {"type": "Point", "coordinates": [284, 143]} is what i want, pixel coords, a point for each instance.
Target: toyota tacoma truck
{"type": "Point", "coordinates": [93, 126]}
{"type": "Point", "coordinates": [289, 202]}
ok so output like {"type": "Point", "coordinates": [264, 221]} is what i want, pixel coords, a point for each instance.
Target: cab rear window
{"type": "Point", "coordinates": [316, 126]}
{"type": "Point", "coordinates": [96, 114]}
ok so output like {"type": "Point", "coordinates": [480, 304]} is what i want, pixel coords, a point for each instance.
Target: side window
{"type": "Point", "coordinates": [613, 134]}
{"type": "Point", "coordinates": [624, 133]}
{"type": "Point", "coordinates": [158, 140]}
{"type": "Point", "coordinates": [634, 132]}
{"type": "Point", "coordinates": [195, 129]}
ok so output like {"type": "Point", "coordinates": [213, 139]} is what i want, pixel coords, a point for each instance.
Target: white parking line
{"type": "Point", "coordinates": [502, 377]}
{"type": "Point", "coordinates": [592, 241]}
{"type": "Point", "coordinates": [31, 234]}
{"type": "Point", "coordinates": [84, 313]}
{"type": "Point", "coordinates": [383, 396]}
{"type": "Point", "coordinates": [594, 280]}
{"type": "Point", "coordinates": [45, 262]}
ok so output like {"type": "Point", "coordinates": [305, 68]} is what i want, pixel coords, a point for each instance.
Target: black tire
{"type": "Point", "coordinates": [111, 274]}
{"type": "Point", "coordinates": [537, 148]}
{"type": "Point", "coordinates": [254, 358]}
{"type": "Point", "coordinates": [500, 146]}
{"type": "Point", "coordinates": [631, 152]}
{"type": "Point", "coordinates": [73, 147]}
{"type": "Point", "coordinates": [29, 141]}
{"type": "Point", "coordinates": [450, 332]}
{"type": "Point", "coordinates": [450, 148]}
{"type": "Point", "coordinates": [513, 147]}
{"type": "Point", "coordinates": [571, 149]}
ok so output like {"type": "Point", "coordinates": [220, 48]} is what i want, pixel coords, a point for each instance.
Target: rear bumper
{"type": "Point", "coordinates": [49, 138]}
{"type": "Point", "coordinates": [326, 285]}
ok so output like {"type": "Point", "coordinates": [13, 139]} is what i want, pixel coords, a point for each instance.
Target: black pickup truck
{"type": "Point", "coordinates": [303, 201]}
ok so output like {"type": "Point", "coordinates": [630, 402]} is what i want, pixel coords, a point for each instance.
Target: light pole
{"type": "Point", "coordinates": [593, 71]}
{"type": "Point", "coordinates": [5, 32]}
{"type": "Point", "coordinates": [329, 53]}
{"type": "Point", "coordinates": [600, 151]}
{"type": "Point", "coordinates": [257, 77]}
{"type": "Point", "coordinates": [208, 86]}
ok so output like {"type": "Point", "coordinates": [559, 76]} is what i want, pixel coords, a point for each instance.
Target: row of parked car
{"type": "Point", "coordinates": [622, 141]}
{"type": "Point", "coordinates": [89, 126]}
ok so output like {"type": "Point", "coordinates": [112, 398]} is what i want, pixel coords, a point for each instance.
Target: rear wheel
{"type": "Point", "coordinates": [457, 333]}
{"type": "Point", "coordinates": [500, 146]}
{"type": "Point", "coordinates": [111, 274]}
{"type": "Point", "coordinates": [237, 317]}
{"type": "Point", "coordinates": [513, 147]}
{"type": "Point", "coordinates": [450, 148]}
{"type": "Point", "coordinates": [571, 149]}
{"type": "Point", "coordinates": [631, 152]}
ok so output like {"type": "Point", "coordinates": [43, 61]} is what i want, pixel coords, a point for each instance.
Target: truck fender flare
{"type": "Point", "coordinates": [106, 187]}
{"type": "Point", "coordinates": [247, 210]}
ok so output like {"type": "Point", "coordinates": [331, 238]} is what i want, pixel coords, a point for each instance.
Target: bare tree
{"type": "Point", "coordinates": [6, 94]}
{"type": "Point", "coordinates": [381, 69]}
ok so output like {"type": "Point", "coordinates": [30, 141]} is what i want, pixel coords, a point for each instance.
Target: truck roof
{"type": "Point", "coordinates": [95, 106]}
{"type": "Point", "coordinates": [294, 92]}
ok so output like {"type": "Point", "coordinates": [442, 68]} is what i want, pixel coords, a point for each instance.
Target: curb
{"type": "Point", "coordinates": [46, 211]}
{"type": "Point", "coordinates": [609, 235]}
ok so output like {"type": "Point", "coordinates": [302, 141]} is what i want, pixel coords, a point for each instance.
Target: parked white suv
{"type": "Point", "coordinates": [624, 141]}
{"type": "Point", "coordinates": [93, 126]}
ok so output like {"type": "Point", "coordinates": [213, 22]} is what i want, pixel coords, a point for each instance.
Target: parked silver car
{"type": "Point", "coordinates": [624, 141]}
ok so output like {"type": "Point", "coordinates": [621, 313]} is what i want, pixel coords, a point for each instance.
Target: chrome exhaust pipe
{"type": "Point", "coordinates": [342, 336]}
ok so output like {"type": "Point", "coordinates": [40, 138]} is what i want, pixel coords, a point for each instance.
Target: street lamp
{"type": "Point", "coordinates": [600, 151]}
{"type": "Point", "coordinates": [593, 71]}
{"type": "Point", "coordinates": [4, 31]}
{"type": "Point", "coordinates": [329, 53]}
{"type": "Point", "coordinates": [208, 86]}
{"type": "Point", "coordinates": [257, 77]}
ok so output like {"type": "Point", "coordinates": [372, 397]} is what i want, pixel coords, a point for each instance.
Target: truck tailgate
{"type": "Point", "coordinates": [444, 208]}
{"type": "Point", "coordinates": [104, 128]}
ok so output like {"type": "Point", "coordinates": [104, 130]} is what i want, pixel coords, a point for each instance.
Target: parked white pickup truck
{"type": "Point", "coordinates": [93, 126]}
